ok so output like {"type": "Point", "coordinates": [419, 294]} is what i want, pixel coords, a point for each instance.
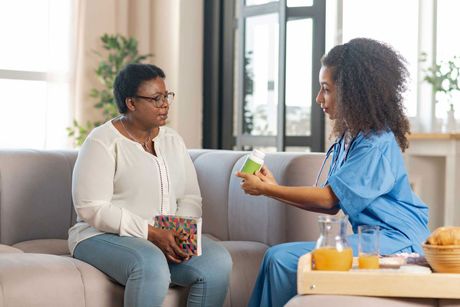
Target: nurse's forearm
{"type": "Point", "coordinates": [315, 199]}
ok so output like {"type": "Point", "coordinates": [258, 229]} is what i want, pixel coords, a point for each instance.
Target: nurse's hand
{"type": "Point", "coordinates": [266, 176]}
{"type": "Point", "coordinates": [251, 184]}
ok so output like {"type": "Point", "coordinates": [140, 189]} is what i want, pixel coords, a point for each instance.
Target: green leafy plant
{"type": "Point", "coordinates": [248, 85]}
{"type": "Point", "coordinates": [119, 51]}
{"type": "Point", "coordinates": [443, 77]}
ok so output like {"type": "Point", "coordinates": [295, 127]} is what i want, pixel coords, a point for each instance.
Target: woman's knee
{"type": "Point", "coordinates": [224, 260]}
{"type": "Point", "coordinates": [151, 267]}
{"type": "Point", "coordinates": [220, 262]}
{"type": "Point", "coordinates": [280, 256]}
{"type": "Point", "coordinates": [224, 265]}
{"type": "Point", "coordinates": [148, 280]}
{"type": "Point", "coordinates": [217, 267]}
{"type": "Point", "coordinates": [274, 252]}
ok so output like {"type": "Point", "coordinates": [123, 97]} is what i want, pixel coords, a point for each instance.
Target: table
{"type": "Point", "coordinates": [447, 146]}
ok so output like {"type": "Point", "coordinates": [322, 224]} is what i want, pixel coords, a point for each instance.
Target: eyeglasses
{"type": "Point", "coordinates": [159, 100]}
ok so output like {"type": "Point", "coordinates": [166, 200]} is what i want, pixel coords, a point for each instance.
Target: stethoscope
{"type": "Point", "coordinates": [336, 156]}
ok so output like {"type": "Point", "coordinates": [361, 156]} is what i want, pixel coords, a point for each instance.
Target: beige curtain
{"type": "Point", "coordinates": [93, 19]}
{"type": "Point", "coordinates": [171, 30]}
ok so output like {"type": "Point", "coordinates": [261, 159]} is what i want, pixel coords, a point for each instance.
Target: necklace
{"type": "Point", "coordinates": [144, 143]}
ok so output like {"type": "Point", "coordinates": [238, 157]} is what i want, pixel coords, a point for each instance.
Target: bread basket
{"type": "Point", "coordinates": [443, 258]}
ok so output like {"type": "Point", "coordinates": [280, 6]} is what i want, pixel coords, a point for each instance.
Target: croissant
{"type": "Point", "coordinates": [445, 236]}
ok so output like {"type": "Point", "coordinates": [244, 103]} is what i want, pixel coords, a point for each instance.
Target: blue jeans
{"type": "Point", "coordinates": [142, 268]}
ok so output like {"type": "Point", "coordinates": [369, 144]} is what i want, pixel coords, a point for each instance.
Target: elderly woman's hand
{"type": "Point", "coordinates": [166, 241]}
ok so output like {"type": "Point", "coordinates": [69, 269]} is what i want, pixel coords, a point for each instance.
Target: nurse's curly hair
{"type": "Point", "coordinates": [370, 79]}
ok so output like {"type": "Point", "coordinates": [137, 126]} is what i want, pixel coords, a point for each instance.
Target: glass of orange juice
{"type": "Point", "coordinates": [368, 247]}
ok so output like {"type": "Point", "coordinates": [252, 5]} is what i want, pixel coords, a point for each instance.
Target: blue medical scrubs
{"type": "Point", "coordinates": [370, 180]}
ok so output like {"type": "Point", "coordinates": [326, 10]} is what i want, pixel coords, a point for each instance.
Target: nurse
{"type": "Point", "coordinates": [362, 85]}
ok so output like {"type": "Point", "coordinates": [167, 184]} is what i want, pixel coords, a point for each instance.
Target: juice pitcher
{"type": "Point", "coordinates": [332, 252]}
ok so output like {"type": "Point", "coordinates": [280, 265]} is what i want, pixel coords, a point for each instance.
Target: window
{"type": "Point", "coordinates": [447, 46]}
{"type": "Point", "coordinates": [35, 72]}
{"type": "Point", "coordinates": [266, 98]}
{"type": "Point", "coordinates": [411, 27]}
{"type": "Point", "coordinates": [299, 59]}
{"type": "Point", "coordinates": [278, 67]}
{"type": "Point", "coordinates": [260, 75]}
{"type": "Point", "coordinates": [397, 27]}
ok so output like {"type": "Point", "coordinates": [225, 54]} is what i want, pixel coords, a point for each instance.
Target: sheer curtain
{"type": "Point", "coordinates": [35, 72]}
{"type": "Point", "coordinates": [47, 63]}
{"type": "Point", "coordinates": [93, 19]}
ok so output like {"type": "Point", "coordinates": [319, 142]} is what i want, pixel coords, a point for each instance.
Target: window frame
{"type": "Point", "coordinates": [220, 26]}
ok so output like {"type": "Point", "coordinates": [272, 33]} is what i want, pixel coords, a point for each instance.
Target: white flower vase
{"type": "Point", "coordinates": [451, 124]}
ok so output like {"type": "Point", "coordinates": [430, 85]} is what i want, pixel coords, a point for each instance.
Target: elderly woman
{"type": "Point", "coordinates": [129, 170]}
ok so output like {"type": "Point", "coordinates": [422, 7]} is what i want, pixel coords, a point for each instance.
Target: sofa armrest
{"type": "Point", "coordinates": [6, 249]}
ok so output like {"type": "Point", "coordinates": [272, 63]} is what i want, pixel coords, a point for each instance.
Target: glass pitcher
{"type": "Point", "coordinates": [332, 252]}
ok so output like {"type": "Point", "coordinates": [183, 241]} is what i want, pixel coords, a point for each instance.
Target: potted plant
{"type": "Point", "coordinates": [120, 51]}
{"type": "Point", "coordinates": [444, 79]}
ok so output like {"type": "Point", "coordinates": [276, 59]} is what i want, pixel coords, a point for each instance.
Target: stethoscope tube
{"type": "Point", "coordinates": [336, 156]}
{"type": "Point", "coordinates": [329, 151]}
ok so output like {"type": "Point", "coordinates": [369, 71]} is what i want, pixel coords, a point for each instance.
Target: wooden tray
{"type": "Point", "coordinates": [376, 283]}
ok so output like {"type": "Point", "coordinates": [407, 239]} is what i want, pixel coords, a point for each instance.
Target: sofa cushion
{"type": "Point", "coordinates": [35, 198]}
{"type": "Point", "coordinates": [264, 219]}
{"type": "Point", "coordinates": [195, 153]}
{"type": "Point", "coordinates": [176, 296]}
{"type": "Point", "coordinates": [9, 249]}
{"type": "Point", "coordinates": [260, 219]}
{"type": "Point", "coordinates": [45, 246]}
{"type": "Point", "coordinates": [246, 257]}
{"type": "Point", "coordinates": [100, 290]}
{"type": "Point", "coordinates": [40, 280]}
{"type": "Point", "coordinates": [215, 170]}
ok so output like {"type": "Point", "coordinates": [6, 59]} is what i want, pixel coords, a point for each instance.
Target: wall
{"type": "Point", "coordinates": [177, 45]}
{"type": "Point", "coordinates": [426, 175]}
{"type": "Point", "coordinates": [171, 30]}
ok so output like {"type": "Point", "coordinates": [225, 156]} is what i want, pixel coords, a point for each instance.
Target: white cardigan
{"type": "Point", "coordinates": [118, 187]}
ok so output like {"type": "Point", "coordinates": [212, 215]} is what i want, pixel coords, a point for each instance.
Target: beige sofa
{"type": "Point", "coordinates": [36, 211]}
